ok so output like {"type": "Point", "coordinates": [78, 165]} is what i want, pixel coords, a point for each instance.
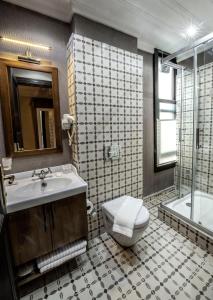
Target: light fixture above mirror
{"type": "Point", "coordinates": [27, 57]}
{"type": "Point", "coordinates": [25, 43]}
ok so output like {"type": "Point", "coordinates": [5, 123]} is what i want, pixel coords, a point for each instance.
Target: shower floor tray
{"type": "Point", "coordinates": [202, 208]}
{"type": "Point", "coordinates": [177, 212]}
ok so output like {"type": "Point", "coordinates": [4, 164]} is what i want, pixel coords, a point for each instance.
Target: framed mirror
{"type": "Point", "coordinates": [30, 108]}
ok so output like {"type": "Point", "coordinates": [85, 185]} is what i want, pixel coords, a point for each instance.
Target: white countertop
{"type": "Point", "coordinates": [27, 191]}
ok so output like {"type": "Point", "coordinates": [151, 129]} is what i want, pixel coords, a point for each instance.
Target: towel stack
{"type": "Point", "coordinates": [60, 256]}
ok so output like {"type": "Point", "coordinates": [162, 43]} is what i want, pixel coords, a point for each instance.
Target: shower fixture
{"type": "Point", "coordinates": [165, 68]}
{"type": "Point", "coordinates": [170, 65]}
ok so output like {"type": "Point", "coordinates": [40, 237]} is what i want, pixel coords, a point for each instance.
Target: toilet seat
{"type": "Point", "coordinates": [111, 207]}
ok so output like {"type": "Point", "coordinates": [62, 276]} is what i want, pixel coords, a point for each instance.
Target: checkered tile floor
{"type": "Point", "coordinates": [163, 265]}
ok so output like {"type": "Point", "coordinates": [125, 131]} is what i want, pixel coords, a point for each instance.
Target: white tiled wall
{"type": "Point", "coordinates": [105, 94]}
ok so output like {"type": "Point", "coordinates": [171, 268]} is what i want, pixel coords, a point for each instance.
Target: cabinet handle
{"type": "Point", "coordinates": [45, 219]}
{"type": "Point", "coordinates": [52, 214]}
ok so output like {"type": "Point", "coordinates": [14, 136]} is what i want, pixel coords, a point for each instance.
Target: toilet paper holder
{"type": "Point", "coordinates": [90, 209]}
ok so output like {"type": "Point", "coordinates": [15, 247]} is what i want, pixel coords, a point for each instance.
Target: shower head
{"type": "Point", "coordinates": [165, 68]}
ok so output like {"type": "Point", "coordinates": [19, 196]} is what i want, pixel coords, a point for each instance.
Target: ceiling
{"type": "Point", "coordinates": [156, 23]}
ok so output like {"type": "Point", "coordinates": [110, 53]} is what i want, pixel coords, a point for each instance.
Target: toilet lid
{"type": "Point", "coordinates": [111, 208]}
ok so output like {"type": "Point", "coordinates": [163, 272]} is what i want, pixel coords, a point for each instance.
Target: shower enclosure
{"type": "Point", "coordinates": [194, 118]}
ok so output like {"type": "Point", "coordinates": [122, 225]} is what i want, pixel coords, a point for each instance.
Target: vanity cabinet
{"type": "Point", "coordinates": [39, 230]}
{"type": "Point", "coordinates": [69, 220]}
{"type": "Point", "coordinates": [30, 235]}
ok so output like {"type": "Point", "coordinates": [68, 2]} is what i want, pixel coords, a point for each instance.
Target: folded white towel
{"type": "Point", "coordinates": [60, 253]}
{"type": "Point", "coordinates": [124, 220]}
{"type": "Point", "coordinates": [62, 260]}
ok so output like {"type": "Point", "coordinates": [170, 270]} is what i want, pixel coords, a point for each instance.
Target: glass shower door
{"type": "Point", "coordinates": [186, 133]}
{"type": "Point", "coordinates": [194, 115]}
{"type": "Point", "coordinates": [202, 186]}
{"type": "Point", "coordinates": [185, 117]}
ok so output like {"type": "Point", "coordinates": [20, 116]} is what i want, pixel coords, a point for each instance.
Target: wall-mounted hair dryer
{"type": "Point", "coordinates": [68, 124]}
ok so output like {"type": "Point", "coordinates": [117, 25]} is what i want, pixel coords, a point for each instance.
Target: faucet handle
{"type": "Point", "coordinates": [43, 171]}
{"type": "Point", "coordinates": [35, 173]}
{"type": "Point", "coordinates": [46, 171]}
{"type": "Point", "coordinates": [10, 178]}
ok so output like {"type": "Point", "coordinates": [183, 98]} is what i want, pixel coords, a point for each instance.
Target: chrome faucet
{"type": "Point", "coordinates": [42, 175]}
{"type": "Point", "coordinates": [10, 178]}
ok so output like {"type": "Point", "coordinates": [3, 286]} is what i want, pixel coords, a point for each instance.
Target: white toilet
{"type": "Point", "coordinates": [109, 210]}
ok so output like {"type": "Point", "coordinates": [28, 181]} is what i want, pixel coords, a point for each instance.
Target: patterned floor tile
{"type": "Point", "coordinates": [163, 265]}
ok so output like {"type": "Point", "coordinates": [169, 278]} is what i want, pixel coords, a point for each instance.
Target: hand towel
{"type": "Point", "coordinates": [62, 260]}
{"type": "Point", "coordinates": [60, 253]}
{"type": "Point", "coordinates": [124, 220]}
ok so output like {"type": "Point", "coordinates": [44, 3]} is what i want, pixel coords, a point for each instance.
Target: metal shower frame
{"type": "Point", "coordinates": [167, 61]}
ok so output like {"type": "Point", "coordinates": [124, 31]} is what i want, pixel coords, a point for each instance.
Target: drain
{"type": "Point", "coordinates": [189, 204]}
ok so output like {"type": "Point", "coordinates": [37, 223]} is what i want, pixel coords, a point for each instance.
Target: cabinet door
{"type": "Point", "coordinates": [7, 283]}
{"type": "Point", "coordinates": [69, 220]}
{"type": "Point", "coordinates": [30, 234]}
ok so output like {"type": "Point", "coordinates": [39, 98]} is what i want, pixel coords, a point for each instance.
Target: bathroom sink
{"type": "Point", "coordinates": [36, 188]}
{"type": "Point", "coordinates": [27, 191]}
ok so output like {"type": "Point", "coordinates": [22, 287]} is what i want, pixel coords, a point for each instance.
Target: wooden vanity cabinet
{"type": "Point", "coordinates": [39, 230]}
{"type": "Point", "coordinates": [30, 235]}
{"type": "Point", "coordinates": [69, 220]}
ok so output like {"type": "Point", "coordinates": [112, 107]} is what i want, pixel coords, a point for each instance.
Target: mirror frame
{"type": "Point", "coordinates": [6, 106]}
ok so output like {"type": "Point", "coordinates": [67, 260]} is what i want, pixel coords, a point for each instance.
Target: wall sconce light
{"type": "Point", "coordinates": [23, 43]}
{"type": "Point", "coordinates": [28, 56]}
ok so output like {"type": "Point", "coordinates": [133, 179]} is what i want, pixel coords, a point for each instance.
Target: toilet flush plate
{"type": "Point", "coordinates": [112, 152]}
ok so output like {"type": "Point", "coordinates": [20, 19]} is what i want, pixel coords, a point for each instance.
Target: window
{"type": "Point", "coordinates": [164, 113]}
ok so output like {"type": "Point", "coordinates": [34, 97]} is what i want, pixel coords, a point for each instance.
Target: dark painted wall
{"type": "Point", "coordinates": [23, 24]}
{"type": "Point", "coordinates": [103, 33]}
{"type": "Point", "coordinates": [153, 182]}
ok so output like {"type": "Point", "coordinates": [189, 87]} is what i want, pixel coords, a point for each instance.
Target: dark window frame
{"type": "Point", "coordinates": [158, 53]}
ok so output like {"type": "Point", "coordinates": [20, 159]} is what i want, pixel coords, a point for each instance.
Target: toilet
{"type": "Point", "coordinates": [109, 210]}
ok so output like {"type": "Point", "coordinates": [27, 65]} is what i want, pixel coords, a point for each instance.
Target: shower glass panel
{"type": "Point", "coordinates": [194, 114]}
{"type": "Point", "coordinates": [185, 116]}
{"type": "Point", "coordinates": [202, 195]}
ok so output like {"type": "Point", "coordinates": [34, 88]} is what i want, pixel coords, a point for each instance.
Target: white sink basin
{"type": "Point", "coordinates": [64, 182]}
{"type": "Point", "coordinates": [35, 187]}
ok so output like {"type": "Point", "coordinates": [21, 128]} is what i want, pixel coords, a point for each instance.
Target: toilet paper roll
{"type": "Point", "coordinates": [90, 207]}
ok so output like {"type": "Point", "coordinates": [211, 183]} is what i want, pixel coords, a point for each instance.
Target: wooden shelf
{"type": "Point", "coordinates": [28, 278]}
{"type": "Point", "coordinates": [36, 280]}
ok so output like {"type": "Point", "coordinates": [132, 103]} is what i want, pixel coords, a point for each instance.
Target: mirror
{"type": "Point", "coordinates": [30, 108]}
